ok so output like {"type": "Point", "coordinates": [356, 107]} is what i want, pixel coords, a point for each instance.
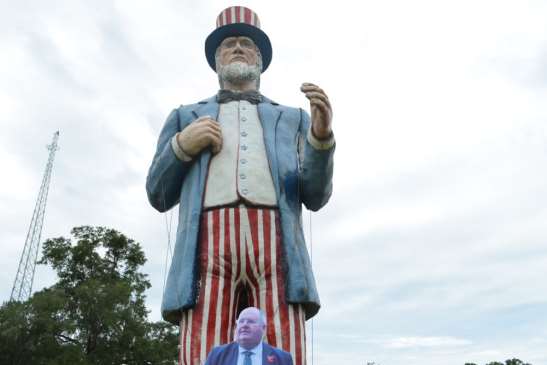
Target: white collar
{"type": "Point", "coordinates": [255, 350]}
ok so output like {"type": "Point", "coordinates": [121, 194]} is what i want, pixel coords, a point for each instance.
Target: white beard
{"type": "Point", "coordinates": [238, 73]}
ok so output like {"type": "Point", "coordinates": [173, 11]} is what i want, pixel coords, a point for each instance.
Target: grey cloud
{"type": "Point", "coordinates": [52, 67]}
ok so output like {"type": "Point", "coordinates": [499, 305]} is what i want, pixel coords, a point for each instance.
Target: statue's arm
{"type": "Point", "coordinates": [167, 171]}
{"type": "Point", "coordinates": [316, 166]}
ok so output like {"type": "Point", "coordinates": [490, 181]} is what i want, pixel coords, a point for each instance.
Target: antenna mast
{"type": "Point", "coordinates": [22, 286]}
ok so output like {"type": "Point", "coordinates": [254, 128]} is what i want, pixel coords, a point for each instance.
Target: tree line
{"type": "Point", "coordinates": [94, 314]}
{"type": "Point", "coordinates": [507, 362]}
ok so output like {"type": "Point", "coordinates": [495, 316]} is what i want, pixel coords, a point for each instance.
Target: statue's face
{"type": "Point", "coordinates": [238, 49]}
{"type": "Point", "coordinates": [249, 329]}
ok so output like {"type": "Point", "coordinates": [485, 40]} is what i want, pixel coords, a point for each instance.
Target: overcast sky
{"type": "Point", "coordinates": [433, 248]}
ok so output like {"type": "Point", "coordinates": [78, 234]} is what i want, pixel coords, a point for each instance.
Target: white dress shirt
{"type": "Point", "coordinates": [256, 357]}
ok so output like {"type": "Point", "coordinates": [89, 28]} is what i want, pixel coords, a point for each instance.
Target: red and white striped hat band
{"type": "Point", "coordinates": [238, 14]}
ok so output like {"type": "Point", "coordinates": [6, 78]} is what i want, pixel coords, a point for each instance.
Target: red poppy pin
{"type": "Point", "coordinates": [271, 359]}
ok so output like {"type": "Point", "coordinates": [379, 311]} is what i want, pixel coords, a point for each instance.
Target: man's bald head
{"type": "Point", "coordinates": [250, 328]}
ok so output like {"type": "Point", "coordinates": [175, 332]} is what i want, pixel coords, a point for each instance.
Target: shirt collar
{"type": "Point", "coordinates": [255, 350]}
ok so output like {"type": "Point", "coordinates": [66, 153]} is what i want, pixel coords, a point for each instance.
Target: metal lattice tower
{"type": "Point", "coordinates": [22, 286]}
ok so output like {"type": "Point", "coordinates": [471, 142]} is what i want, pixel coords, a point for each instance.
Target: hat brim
{"type": "Point", "coordinates": [238, 30]}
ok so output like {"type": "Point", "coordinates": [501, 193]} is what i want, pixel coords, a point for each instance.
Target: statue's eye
{"type": "Point", "coordinates": [229, 43]}
{"type": "Point", "coordinates": [247, 43]}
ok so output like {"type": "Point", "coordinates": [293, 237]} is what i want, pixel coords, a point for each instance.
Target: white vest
{"type": "Point", "coordinates": [240, 171]}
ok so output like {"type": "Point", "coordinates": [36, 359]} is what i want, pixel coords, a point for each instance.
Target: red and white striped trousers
{"type": "Point", "coordinates": [240, 265]}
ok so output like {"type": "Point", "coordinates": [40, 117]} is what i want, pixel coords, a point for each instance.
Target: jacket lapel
{"type": "Point", "coordinates": [206, 107]}
{"type": "Point", "coordinates": [234, 352]}
{"type": "Point", "coordinates": [267, 355]}
{"type": "Point", "coordinates": [269, 116]}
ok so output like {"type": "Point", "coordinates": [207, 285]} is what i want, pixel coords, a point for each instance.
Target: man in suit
{"type": "Point", "coordinates": [241, 166]}
{"type": "Point", "coordinates": [248, 348]}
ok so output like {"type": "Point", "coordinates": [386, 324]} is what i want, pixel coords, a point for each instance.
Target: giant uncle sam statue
{"type": "Point", "coordinates": [240, 166]}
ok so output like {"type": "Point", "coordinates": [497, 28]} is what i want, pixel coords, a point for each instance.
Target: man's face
{"type": "Point", "coordinates": [249, 329]}
{"type": "Point", "coordinates": [238, 49]}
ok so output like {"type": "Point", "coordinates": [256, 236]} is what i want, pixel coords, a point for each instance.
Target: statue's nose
{"type": "Point", "coordinates": [237, 48]}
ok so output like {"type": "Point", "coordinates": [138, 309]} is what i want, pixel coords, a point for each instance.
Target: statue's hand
{"type": "Point", "coordinates": [321, 111]}
{"type": "Point", "coordinates": [199, 134]}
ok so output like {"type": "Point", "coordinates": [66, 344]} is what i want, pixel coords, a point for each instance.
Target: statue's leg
{"type": "Point", "coordinates": [285, 329]}
{"type": "Point", "coordinates": [240, 265]}
{"type": "Point", "coordinates": [210, 322]}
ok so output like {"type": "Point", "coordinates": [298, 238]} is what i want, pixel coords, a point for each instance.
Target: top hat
{"type": "Point", "coordinates": [238, 21]}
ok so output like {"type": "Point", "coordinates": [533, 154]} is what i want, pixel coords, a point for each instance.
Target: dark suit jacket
{"type": "Point", "coordinates": [227, 355]}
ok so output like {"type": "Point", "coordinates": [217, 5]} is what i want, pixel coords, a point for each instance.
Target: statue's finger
{"type": "Point", "coordinates": [214, 125]}
{"type": "Point", "coordinates": [316, 95]}
{"type": "Point", "coordinates": [311, 87]}
{"type": "Point", "coordinates": [322, 106]}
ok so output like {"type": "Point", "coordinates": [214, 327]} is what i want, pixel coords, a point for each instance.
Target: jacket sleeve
{"type": "Point", "coordinates": [211, 358]}
{"type": "Point", "coordinates": [288, 358]}
{"type": "Point", "coordinates": [167, 171]}
{"type": "Point", "coordinates": [316, 168]}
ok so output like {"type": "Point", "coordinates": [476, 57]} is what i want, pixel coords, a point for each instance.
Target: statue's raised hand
{"type": "Point", "coordinates": [321, 110]}
{"type": "Point", "coordinates": [201, 133]}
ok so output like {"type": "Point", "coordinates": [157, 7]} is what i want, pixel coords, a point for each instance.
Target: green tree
{"type": "Point", "coordinates": [94, 314]}
{"type": "Point", "coordinates": [507, 362]}
{"type": "Point", "coordinates": [510, 362]}
{"type": "Point", "coordinates": [515, 362]}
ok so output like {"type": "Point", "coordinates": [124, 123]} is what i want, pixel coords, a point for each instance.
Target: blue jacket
{"type": "Point", "coordinates": [301, 175]}
{"type": "Point", "coordinates": [227, 355]}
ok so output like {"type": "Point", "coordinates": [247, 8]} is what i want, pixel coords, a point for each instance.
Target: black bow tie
{"type": "Point", "coordinates": [252, 96]}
